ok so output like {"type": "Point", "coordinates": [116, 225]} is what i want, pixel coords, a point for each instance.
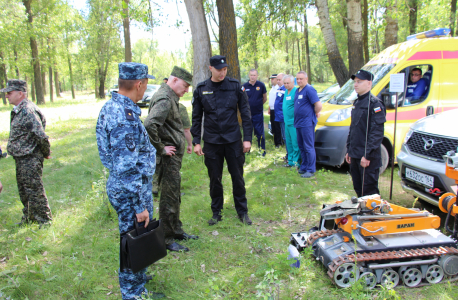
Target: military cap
{"type": "Point", "coordinates": [363, 75]}
{"type": "Point", "coordinates": [218, 61]}
{"type": "Point", "coordinates": [165, 78]}
{"type": "Point", "coordinates": [133, 71]}
{"type": "Point", "coordinates": [15, 85]}
{"type": "Point", "coordinates": [273, 76]}
{"type": "Point", "coordinates": [182, 74]}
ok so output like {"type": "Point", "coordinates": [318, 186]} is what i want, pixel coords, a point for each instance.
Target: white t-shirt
{"type": "Point", "coordinates": [273, 96]}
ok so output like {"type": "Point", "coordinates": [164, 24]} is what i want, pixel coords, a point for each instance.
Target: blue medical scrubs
{"type": "Point", "coordinates": [305, 121]}
{"type": "Point", "coordinates": [255, 97]}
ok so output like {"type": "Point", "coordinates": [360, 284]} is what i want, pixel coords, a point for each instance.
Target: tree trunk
{"type": "Point", "coordinates": [71, 75]}
{"type": "Point", "coordinates": [56, 82]}
{"type": "Point", "coordinates": [35, 58]}
{"type": "Point", "coordinates": [228, 37]}
{"type": "Point", "coordinates": [413, 6]}
{"type": "Point", "coordinates": [33, 90]}
{"type": "Point", "coordinates": [307, 48]}
{"type": "Point", "coordinates": [101, 93]}
{"type": "Point", "coordinates": [335, 59]}
{"type": "Point", "coordinates": [366, 31]}
{"type": "Point", "coordinates": [200, 40]}
{"type": "Point", "coordinates": [16, 64]}
{"type": "Point", "coordinates": [298, 49]}
{"type": "Point", "coordinates": [50, 85]}
{"type": "Point", "coordinates": [126, 25]}
{"type": "Point", "coordinates": [96, 83]}
{"type": "Point", "coordinates": [288, 70]}
{"type": "Point", "coordinates": [43, 79]}
{"type": "Point", "coordinates": [3, 78]}
{"type": "Point", "coordinates": [355, 36]}
{"type": "Point", "coordinates": [292, 58]}
{"type": "Point", "coordinates": [391, 29]}
{"type": "Point", "coordinates": [452, 17]}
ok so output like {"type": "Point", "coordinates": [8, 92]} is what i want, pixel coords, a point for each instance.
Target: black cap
{"type": "Point", "coordinates": [273, 76]}
{"type": "Point", "coordinates": [218, 61]}
{"type": "Point", "coordinates": [165, 78]}
{"type": "Point", "coordinates": [363, 75]}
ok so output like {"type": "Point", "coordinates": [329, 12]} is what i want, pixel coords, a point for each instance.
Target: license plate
{"type": "Point", "coordinates": [420, 177]}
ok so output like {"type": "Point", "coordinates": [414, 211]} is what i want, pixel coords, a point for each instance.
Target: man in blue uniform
{"type": "Point", "coordinates": [278, 107]}
{"type": "Point", "coordinates": [417, 86]}
{"type": "Point", "coordinates": [218, 98]}
{"type": "Point", "coordinates": [257, 96]}
{"type": "Point", "coordinates": [307, 107]}
{"type": "Point", "coordinates": [126, 151]}
{"type": "Point", "coordinates": [368, 117]}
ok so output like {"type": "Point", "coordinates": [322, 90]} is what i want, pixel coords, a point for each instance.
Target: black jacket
{"type": "Point", "coordinates": [357, 136]}
{"type": "Point", "coordinates": [220, 104]}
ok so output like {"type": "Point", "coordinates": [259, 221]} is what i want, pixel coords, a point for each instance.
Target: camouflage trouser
{"type": "Point", "coordinates": [132, 285]}
{"type": "Point", "coordinates": [156, 176]}
{"type": "Point", "coordinates": [29, 170]}
{"type": "Point", "coordinates": [170, 200]}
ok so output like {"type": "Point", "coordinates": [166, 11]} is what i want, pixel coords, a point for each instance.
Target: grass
{"type": "Point", "coordinates": [77, 257]}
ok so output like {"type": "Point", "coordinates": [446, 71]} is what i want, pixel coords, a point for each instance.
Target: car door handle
{"type": "Point", "coordinates": [429, 110]}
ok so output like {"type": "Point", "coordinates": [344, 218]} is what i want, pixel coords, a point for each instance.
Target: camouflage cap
{"type": "Point", "coordinates": [133, 71]}
{"type": "Point", "coordinates": [182, 74]}
{"type": "Point", "coordinates": [15, 85]}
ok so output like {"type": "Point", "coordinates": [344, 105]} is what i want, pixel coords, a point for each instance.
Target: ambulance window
{"type": "Point", "coordinates": [418, 85]}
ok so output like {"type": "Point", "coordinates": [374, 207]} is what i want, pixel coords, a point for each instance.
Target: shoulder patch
{"type": "Point", "coordinates": [201, 83]}
{"type": "Point", "coordinates": [129, 114]}
{"type": "Point", "coordinates": [130, 142]}
{"type": "Point", "coordinates": [243, 88]}
{"type": "Point", "coordinates": [377, 109]}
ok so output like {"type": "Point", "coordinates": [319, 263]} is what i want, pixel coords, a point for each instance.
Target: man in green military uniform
{"type": "Point", "coordinates": [187, 133]}
{"type": "Point", "coordinates": [28, 145]}
{"type": "Point", "coordinates": [166, 133]}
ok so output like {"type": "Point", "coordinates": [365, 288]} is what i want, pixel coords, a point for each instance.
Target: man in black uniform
{"type": "Point", "coordinates": [219, 97]}
{"type": "Point", "coordinates": [368, 116]}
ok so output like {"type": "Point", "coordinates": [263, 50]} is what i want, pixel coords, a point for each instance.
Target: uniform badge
{"type": "Point", "coordinates": [222, 61]}
{"type": "Point", "coordinates": [207, 92]}
{"type": "Point", "coordinates": [243, 88]}
{"type": "Point", "coordinates": [300, 97]}
{"type": "Point", "coordinates": [377, 109]}
{"type": "Point", "coordinates": [258, 88]}
{"type": "Point", "coordinates": [129, 114]}
{"type": "Point", "coordinates": [130, 142]}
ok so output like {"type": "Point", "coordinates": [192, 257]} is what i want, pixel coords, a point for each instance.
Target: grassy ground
{"type": "Point", "coordinates": [77, 257]}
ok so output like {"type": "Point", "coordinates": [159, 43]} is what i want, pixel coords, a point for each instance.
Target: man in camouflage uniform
{"type": "Point", "coordinates": [28, 145]}
{"type": "Point", "coordinates": [125, 149]}
{"type": "Point", "coordinates": [165, 130]}
{"type": "Point", "coordinates": [187, 133]}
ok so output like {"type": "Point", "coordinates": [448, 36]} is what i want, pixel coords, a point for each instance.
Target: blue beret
{"type": "Point", "coordinates": [133, 71]}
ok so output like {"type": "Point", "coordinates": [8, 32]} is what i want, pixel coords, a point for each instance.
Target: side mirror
{"type": "Point", "coordinates": [389, 99]}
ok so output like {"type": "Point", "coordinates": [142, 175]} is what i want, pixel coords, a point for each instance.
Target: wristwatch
{"type": "Point", "coordinates": [195, 144]}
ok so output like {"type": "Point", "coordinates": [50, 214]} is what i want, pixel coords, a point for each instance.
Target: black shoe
{"type": "Point", "coordinates": [276, 147]}
{"type": "Point", "coordinates": [155, 193]}
{"type": "Point", "coordinates": [307, 175]}
{"type": "Point", "coordinates": [264, 154]}
{"type": "Point", "coordinates": [177, 247]}
{"type": "Point", "coordinates": [185, 237]}
{"type": "Point", "coordinates": [215, 219]}
{"type": "Point", "coordinates": [154, 295]}
{"type": "Point", "coordinates": [245, 219]}
{"type": "Point", "coordinates": [287, 166]}
{"type": "Point", "coordinates": [301, 172]}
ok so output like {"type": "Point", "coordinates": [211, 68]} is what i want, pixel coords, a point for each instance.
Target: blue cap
{"type": "Point", "coordinates": [133, 71]}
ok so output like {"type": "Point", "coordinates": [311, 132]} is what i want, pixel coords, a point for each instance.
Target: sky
{"type": "Point", "coordinates": [169, 37]}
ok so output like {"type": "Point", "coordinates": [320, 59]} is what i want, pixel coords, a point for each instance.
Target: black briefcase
{"type": "Point", "coordinates": [141, 247]}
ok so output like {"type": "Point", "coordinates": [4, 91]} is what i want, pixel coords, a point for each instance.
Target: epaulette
{"type": "Point", "coordinates": [201, 83]}
{"type": "Point", "coordinates": [232, 79]}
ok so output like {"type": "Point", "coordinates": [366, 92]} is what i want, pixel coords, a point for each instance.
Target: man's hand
{"type": "Point", "coordinates": [318, 115]}
{"type": "Point", "coordinates": [143, 216]}
{"type": "Point", "coordinates": [189, 149]}
{"type": "Point", "coordinates": [1, 187]}
{"type": "Point", "coordinates": [198, 150]}
{"type": "Point", "coordinates": [268, 112]}
{"type": "Point", "coordinates": [246, 147]}
{"type": "Point", "coordinates": [170, 150]}
{"type": "Point", "coordinates": [347, 158]}
{"type": "Point", "coordinates": [49, 156]}
{"type": "Point", "coordinates": [364, 162]}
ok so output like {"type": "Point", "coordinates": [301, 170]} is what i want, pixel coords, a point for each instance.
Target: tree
{"type": "Point", "coordinates": [335, 59]}
{"type": "Point", "coordinates": [228, 37]}
{"type": "Point", "coordinates": [126, 26]}
{"type": "Point", "coordinates": [452, 17]}
{"type": "Point", "coordinates": [355, 37]}
{"type": "Point", "coordinates": [35, 58]}
{"type": "Point", "coordinates": [391, 29]}
{"type": "Point", "coordinates": [200, 40]}
{"type": "Point", "coordinates": [365, 31]}
{"type": "Point", "coordinates": [413, 6]}
{"type": "Point", "coordinates": [307, 47]}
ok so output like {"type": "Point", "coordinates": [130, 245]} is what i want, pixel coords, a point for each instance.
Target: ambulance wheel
{"type": "Point", "coordinates": [385, 159]}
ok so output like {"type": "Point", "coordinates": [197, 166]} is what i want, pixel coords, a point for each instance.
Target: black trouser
{"type": "Point", "coordinates": [275, 128]}
{"type": "Point", "coordinates": [371, 175]}
{"type": "Point", "coordinates": [214, 160]}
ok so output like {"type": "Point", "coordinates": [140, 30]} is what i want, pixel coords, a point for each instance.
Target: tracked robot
{"type": "Point", "coordinates": [385, 244]}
